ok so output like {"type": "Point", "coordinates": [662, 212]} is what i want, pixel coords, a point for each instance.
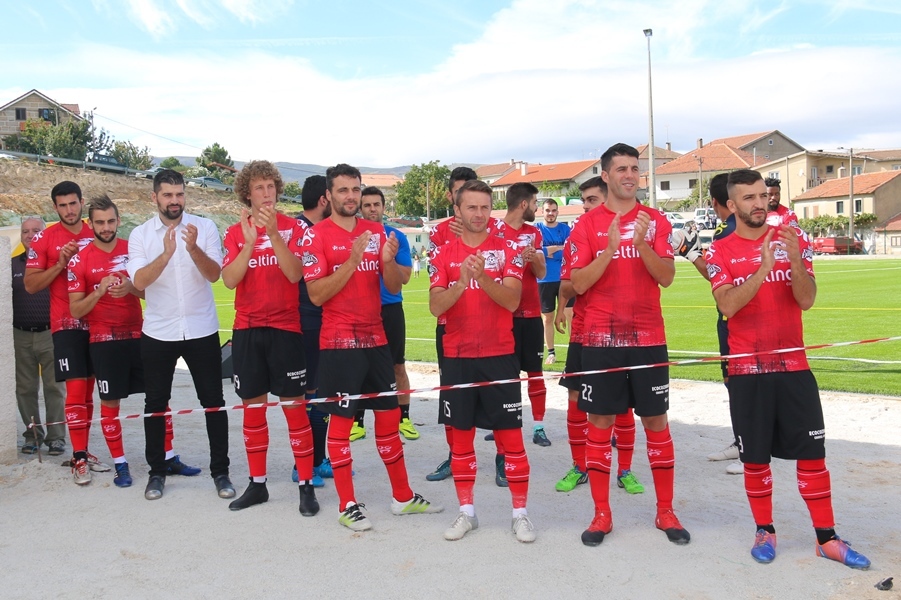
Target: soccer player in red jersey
{"type": "Point", "coordinates": [528, 329]}
{"type": "Point", "coordinates": [342, 259]}
{"type": "Point", "coordinates": [102, 295]}
{"type": "Point", "coordinates": [621, 255]}
{"type": "Point", "coordinates": [776, 213]}
{"type": "Point", "coordinates": [48, 258]}
{"type": "Point", "coordinates": [476, 282]}
{"type": "Point", "coordinates": [762, 279]}
{"type": "Point", "coordinates": [262, 264]}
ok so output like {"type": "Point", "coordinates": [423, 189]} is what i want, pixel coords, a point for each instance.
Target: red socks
{"type": "Point", "coordinates": [662, 457]}
{"type": "Point", "coordinates": [391, 450]}
{"type": "Point", "coordinates": [463, 464]}
{"type": "Point", "coordinates": [77, 417]}
{"type": "Point", "coordinates": [112, 430]}
{"type": "Point", "coordinates": [537, 395]}
{"type": "Point", "coordinates": [597, 459]}
{"type": "Point", "coordinates": [339, 454]}
{"type": "Point", "coordinates": [170, 433]}
{"type": "Point", "coordinates": [816, 490]}
{"type": "Point", "coordinates": [300, 435]}
{"type": "Point", "coordinates": [577, 430]}
{"type": "Point", "coordinates": [256, 439]}
{"type": "Point", "coordinates": [517, 464]}
{"type": "Point", "coordinates": [759, 487]}
{"type": "Point", "coordinates": [624, 430]}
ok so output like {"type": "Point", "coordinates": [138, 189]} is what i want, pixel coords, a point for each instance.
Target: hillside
{"type": "Point", "coordinates": [25, 190]}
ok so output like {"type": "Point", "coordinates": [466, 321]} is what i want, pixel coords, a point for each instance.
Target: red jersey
{"type": "Point", "coordinates": [782, 216]}
{"type": "Point", "coordinates": [477, 326]}
{"type": "Point", "coordinates": [772, 319]}
{"type": "Point", "coordinates": [265, 297]}
{"type": "Point", "coordinates": [111, 318]}
{"type": "Point", "coordinates": [440, 234]}
{"type": "Point", "coordinates": [575, 326]}
{"type": "Point", "coordinates": [43, 254]}
{"type": "Point", "coordinates": [622, 308]}
{"type": "Point", "coordinates": [352, 318]}
{"type": "Point", "coordinates": [518, 239]}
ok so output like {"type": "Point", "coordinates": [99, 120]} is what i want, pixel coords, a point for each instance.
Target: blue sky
{"type": "Point", "coordinates": [385, 83]}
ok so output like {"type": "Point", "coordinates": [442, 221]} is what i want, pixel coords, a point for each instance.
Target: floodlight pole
{"type": "Point", "coordinates": [652, 180]}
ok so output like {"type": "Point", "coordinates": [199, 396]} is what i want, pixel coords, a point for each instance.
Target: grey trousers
{"type": "Point", "coordinates": [34, 365]}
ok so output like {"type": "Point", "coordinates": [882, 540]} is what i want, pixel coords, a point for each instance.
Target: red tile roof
{"type": "Point", "coordinates": [380, 180]}
{"type": "Point", "coordinates": [491, 170]}
{"type": "Point", "coordinates": [72, 108]}
{"type": "Point", "coordinates": [866, 183]}
{"type": "Point", "coordinates": [893, 224]}
{"type": "Point", "coordinates": [715, 157]}
{"type": "Point", "coordinates": [742, 140]}
{"type": "Point", "coordinates": [658, 152]}
{"type": "Point", "coordinates": [879, 154]}
{"type": "Point", "coordinates": [556, 172]}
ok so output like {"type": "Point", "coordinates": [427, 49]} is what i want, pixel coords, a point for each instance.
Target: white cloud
{"type": "Point", "coordinates": [147, 13]}
{"type": "Point", "coordinates": [256, 11]}
{"type": "Point", "coordinates": [545, 82]}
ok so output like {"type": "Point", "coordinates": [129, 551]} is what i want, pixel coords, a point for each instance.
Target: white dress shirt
{"type": "Point", "coordinates": [179, 304]}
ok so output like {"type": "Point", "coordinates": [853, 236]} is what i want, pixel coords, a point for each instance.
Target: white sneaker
{"type": "Point", "coordinates": [523, 528]}
{"type": "Point", "coordinates": [80, 472]}
{"type": "Point", "coordinates": [354, 519]}
{"type": "Point", "coordinates": [416, 505]}
{"type": "Point", "coordinates": [461, 526]}
{"type": "Point", "coordinates": [735, 468]}
{"type": "Point", "coordinates": [728, 453]}
{"type": "Point", "coordinates": [95, 465]}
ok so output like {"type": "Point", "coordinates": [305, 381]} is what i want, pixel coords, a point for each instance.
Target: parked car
{"type": "Point", "coordinates": [837, 245]}
{"type": "Point", "coordinates": [677, 222]}
{"type": "Point", "coordinates": [149, 173]}
{"type": "Point", "coordinates": [209, 182]}
{"type": "Point", "coordinates": [705, 218]}
{"type": "Point", "coordinates": [105, 163]}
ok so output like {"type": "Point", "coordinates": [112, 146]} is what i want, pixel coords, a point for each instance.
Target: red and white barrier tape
{"type": "Point", "coordinates": [460, 386]}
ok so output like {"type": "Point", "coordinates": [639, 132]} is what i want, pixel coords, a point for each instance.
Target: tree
{"type": "Point", "coordinates": [170, 163]}
{"type": "Point", "coordinates": [428, 179]}
{"type": "Point", "coordinates": [292, 188]}
{"type": "Point", "coordinates": [71, 139]}
{"type": "Point", "coordinates": [214, 154]}
{"type": "Point", "coordinates": [131, 156]}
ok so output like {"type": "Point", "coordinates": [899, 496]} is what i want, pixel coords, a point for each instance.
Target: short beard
{"type": "Point", "coordinates": [748, 220]}
{"type": "Point", "coordinates": [172, 213]}
{"type": "Point", "coordinates": [112, 237]}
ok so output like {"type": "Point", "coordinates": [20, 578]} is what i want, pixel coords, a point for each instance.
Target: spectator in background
{"type": "Point", "coordinates": [34, 356]}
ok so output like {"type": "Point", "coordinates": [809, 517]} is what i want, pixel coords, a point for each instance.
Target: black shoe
{"type": "Point", "coordinates": [174, 466]}
{"type": "Point", "coordinates": [224, 486]}
{"type": "Point", "coordinates": [256, 493]}
{"type": "Point", "coordinates": [500, 476]}
{"type": "Point", "coordinates": [154, 489]}
{"type": "Point", "coordinates": [309, 506]}
{"type": "Point", "coordinates": [489, 437]}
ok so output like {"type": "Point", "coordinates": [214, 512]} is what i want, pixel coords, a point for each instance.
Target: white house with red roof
{"type": "Point", "coordinates": [34, 105]}
{"type": "Point", "coordinates": [552, 179]}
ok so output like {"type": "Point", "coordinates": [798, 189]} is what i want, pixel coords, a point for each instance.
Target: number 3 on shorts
{"type": "Point", "coordinates": [586, 393]}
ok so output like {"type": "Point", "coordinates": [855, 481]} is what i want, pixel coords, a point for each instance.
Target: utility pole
{"type": "Point", "coordinates": [652, 180]}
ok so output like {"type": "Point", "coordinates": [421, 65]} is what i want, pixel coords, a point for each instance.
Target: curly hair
{"type": "Point", "coordinates": [257, 169]}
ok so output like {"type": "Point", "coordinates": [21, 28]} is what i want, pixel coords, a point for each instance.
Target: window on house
{"type": "Point", "coordinates": [418, 238]}
{"type": "Point", "coordinates": [692, 183]}
{"type": "Point", "coordinates": [594, 170]}
{"type": "Point", "coordinates": [766, 156]}
{"type": "Point", "coordinates": [45, 114]}
{"type": "Point", "coordinates": [858, 205]}
{"type": "Point", "coordinates": [857, 170]}
{"type": "Point", "coordinates": [770, 142]}
{"type": "Point", "coordinates": [896, 167]}
{"type": "Point", "coordinates": [664, 186]}
{"type": "Point", "coordinates": [840, 207]}
{"type": "Point", "coordinates": [895, 241]}
{"type": "Point", "coordinates": [805, 213]}
{"type": "Point", "coordinates": [21, 114]}
{"type": "Point", "coordinates": [830, 169]}
{"type": "Point", "coordinates": [773, 174]}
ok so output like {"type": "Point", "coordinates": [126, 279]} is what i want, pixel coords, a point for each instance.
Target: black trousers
{"type": "Point", "coordinates": [204, 359]}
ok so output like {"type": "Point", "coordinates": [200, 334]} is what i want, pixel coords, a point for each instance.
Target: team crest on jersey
{"type": "Point", "coordinates": [780, 253]}
{"type": "Point", "coordinates": [308, 236]}
{"type": "Point", "coordinates": [432, 270]}
{"type": "Point", "coordinates": [372, 247]}
{"type": "Point", "coordinates": [32, 254]}
{"type": "Point", "coordinates": [713, 270]}
{"type": "Point", "coordinates": [518, 261]}
{"type": "Point", "coordinates": [494, 260]}
{"type": "Point", "coordinates": [807, 254]}
{"type": "Point", "coordinates": [309, 259]}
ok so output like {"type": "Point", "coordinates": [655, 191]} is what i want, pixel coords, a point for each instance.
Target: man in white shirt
{"type": "Point", "coordinates": [174, 258]}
